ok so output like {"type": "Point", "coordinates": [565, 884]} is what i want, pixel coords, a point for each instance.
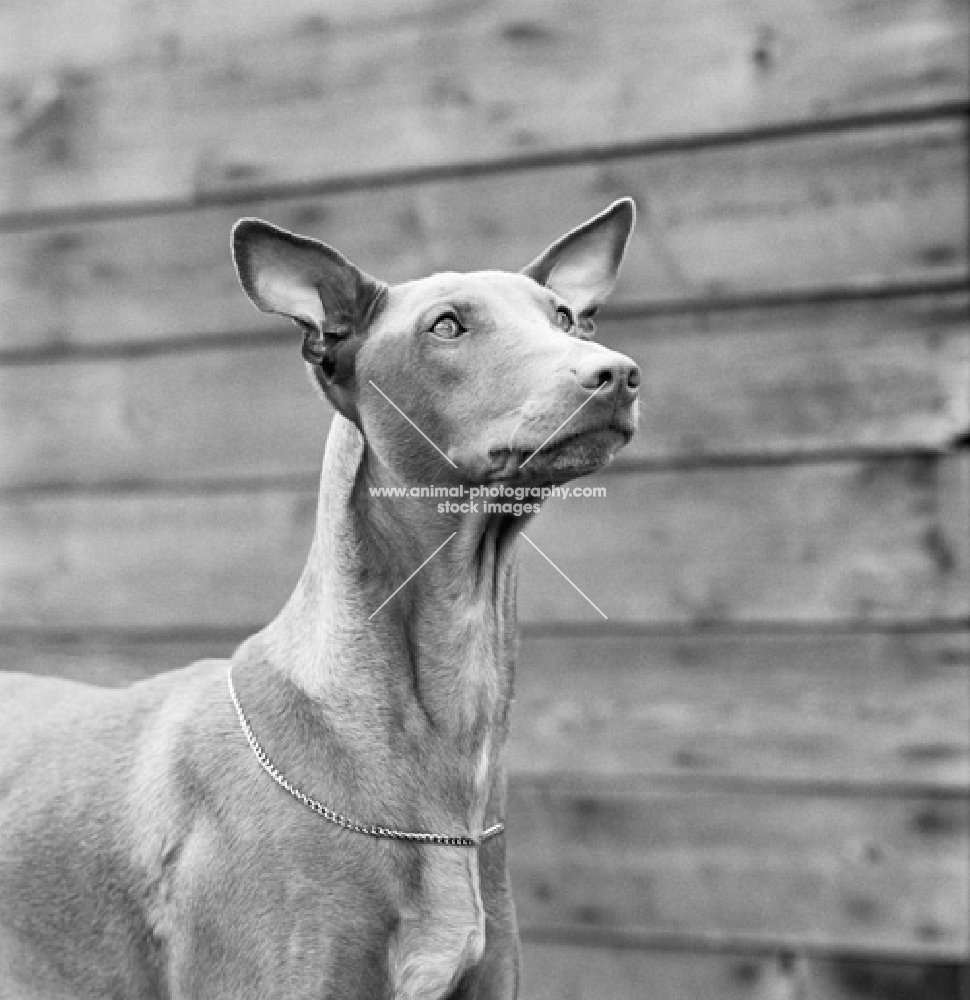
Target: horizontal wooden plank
{"type": "Point", "coordinates": [877, 540]}
{"type": "Point", "coordinates": [554, 972]}
{"type": "Point", "coordinates": [109, 32]}
{"type": "Point", "coordinates": [108, 661]}
{"type": "Point", "coordinates": [878, 205]}
{"type": "Point", "coordinates": [854, 711]}
{"type": "Point", "coordinates": [879, 374]}
{"type": "Point", "coordinates": [237, 412]}
{"type": "Point", "coordinates": [846, 709]}
{"type": "Point", "coordinates": [176, 104]}
{"type": "Point", "coordinates": [831, 872]}
{"type": "Point", "coordinates": [880, 540]}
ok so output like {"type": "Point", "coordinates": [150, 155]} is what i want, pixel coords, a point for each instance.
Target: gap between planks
{"type": "Point", "coordinates": [945, 283]}
{"type": "Point", "coordinates": [749, 945]}
{"type": "Point", "coordinates": [567, 629]}
{"type": "Point", "coordinates": [309, 482]}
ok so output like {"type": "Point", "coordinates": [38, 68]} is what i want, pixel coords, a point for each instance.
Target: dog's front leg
{"type": "Point", "coordinates": [496, 976]}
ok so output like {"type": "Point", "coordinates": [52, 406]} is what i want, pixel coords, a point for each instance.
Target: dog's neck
{"type": "Point", "coordinates": [430, 674]}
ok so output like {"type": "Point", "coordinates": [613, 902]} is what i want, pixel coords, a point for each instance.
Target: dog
{"type": "Point", "coordinates": [321, 816]}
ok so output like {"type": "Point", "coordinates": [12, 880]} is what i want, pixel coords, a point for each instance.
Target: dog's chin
{"type": "Point", "coordinates": [557, 461]}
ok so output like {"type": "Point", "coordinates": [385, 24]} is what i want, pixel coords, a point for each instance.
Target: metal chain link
{"type": "Point", "coordinates": [334, 817]}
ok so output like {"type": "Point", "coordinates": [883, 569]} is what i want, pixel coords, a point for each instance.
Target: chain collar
{"type": "Point", "coordinates": [320, 809]}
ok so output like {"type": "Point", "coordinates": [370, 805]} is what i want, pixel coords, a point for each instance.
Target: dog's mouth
{"type": "Point", "coordinates": [565, 457]}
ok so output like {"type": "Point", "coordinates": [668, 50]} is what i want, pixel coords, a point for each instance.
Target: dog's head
{"type": "Point", "coordinates": [497, 369]}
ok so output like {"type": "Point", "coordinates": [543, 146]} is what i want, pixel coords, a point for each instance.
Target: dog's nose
{"type": "Point", "coordinates": [614, 374]}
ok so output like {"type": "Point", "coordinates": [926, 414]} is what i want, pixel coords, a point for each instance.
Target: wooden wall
{"type": "Point", "coordinates": [754, 780]}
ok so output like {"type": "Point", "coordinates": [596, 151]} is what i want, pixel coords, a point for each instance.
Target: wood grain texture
{"type": "Point", "coordinates": [108, 661]}
{"type": "Point", "coordinates": [857, 711]}
{"type": "Point", "coordinates": [882, 374]}
{"type": "Point", "coordinates": [847, 541]}
{"type": "Point", "coordinates": [880, 540]}
{"type": "Point", "coordinates": [180, 102]}
{"type": "Point", "coordinates": [890, 374]}
{"type": "Point", "coordinates": [245, 411]}
{"type": "Point", "coordinates": [833, 871]}
{"type": "Point", "coordinates": [846, 709]}
{"type": "Point", "coordinates": [881, 205]}
{"type": "Point", "coordinates": [559, 972]}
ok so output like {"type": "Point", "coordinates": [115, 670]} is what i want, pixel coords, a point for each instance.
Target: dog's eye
{"type": "Point", "coordinates": [565, 319]}
{"type": "Point", "coordinates": [447, 327]}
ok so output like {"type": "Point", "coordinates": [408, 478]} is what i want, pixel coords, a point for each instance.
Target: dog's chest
{"type": "Point", "coordinates": [442, 930]}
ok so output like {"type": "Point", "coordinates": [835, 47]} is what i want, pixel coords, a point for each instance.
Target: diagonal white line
{"type": "Point", "coordinates": [559, 571]}
{"type": "Point", "coordinates": [554, 433]}
{"type": "Point", "coordinates": [418, 429]}
{"type": "Point", "coordinates": [421, 567]}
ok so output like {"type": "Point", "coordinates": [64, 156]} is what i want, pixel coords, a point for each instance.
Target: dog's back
{"type": "Point", "coordinates": [74, 911]}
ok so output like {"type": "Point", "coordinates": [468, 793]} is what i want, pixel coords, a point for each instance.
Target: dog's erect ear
{"type": "Point", "coordinates": [313, 284]}
{"type": "Point", "coordinates": [329, 298]}
{"type": "Point", "coordinates": [582, 265]}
